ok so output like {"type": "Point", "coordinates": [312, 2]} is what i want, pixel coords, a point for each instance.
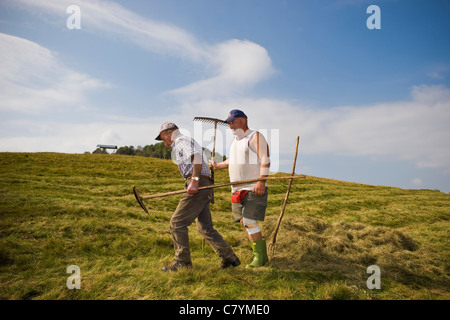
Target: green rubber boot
{"type": "Point", "coordinates": [259, 254]}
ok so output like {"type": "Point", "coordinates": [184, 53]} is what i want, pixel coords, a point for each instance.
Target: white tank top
{"type": "Point", "coordinates": [244, 163]}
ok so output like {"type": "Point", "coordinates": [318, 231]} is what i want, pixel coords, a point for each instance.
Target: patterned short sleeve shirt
{"type": "Point", "coordinates": [183, 148]}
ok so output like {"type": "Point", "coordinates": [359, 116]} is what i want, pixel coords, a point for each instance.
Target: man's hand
{"type": "Point", "coordinates": [212, 164]}
{"type": "Point", "coordinates": [218, 166]}
{"type": "Point", "coordinates": [193, 187]}
{"type": "Point", "coordinates": [260, 188]}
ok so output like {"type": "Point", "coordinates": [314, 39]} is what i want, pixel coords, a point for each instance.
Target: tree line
{"type": "Point", "coordinates": [158, 150]}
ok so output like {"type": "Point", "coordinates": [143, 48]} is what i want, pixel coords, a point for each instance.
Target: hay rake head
{"type": "Point", "coordinates": [272, 248]}
{"type": "Point", "coordinates": [211, 120]}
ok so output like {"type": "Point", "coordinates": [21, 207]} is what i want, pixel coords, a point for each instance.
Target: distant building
{"type": "Point", "coordinates": [101, 148]}
{"type": "Point", "coordinates": [106, 146]}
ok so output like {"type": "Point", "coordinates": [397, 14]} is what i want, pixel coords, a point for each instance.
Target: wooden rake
{"type": "Point", "coordinates": [213, 153]}
{"type": "Point", "coordinates": [272, 246]}
{"type": "Point", "coordinates": [140, 199]}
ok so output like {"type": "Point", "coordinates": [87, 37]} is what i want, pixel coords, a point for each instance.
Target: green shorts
{"type": "Point", "coordinates": [251, 207]}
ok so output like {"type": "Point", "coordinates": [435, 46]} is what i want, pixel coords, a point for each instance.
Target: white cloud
{"type": "Point", "coordinates": [111, 19]}
{"type": "Point", "coordinates": [237, 65]}
{"type": "Point", "coordinates": [54, 136]}
{"type": "Point", "coordinates": [414, 130]}
{"type": "Point", "coordinates": [72, 136]}
{"type": "Point", "coordinates": [109, 136]}
{"type": "Point", "coordinates": [416, 182]}
{"type": "Point", "coordinates": [33, 80]}
{"type": "Point", "coordinates": [230, 66]}
{"type": "Point", "coordinates": [439, 71]}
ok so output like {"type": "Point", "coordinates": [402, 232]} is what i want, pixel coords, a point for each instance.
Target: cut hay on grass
{"type": "Point", "coordinates": [312, 244]}
{"type": "Point", "coordinates": [58, 210]}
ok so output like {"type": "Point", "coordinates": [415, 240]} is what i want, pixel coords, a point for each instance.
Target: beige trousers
{"type": "Point", "coordinates": [193, 207]}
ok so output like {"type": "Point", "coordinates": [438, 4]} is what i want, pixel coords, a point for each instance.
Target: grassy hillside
{"type": "Point", "coordinates": [58, 210]}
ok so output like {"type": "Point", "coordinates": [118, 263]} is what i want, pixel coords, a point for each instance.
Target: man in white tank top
{"type": "Point", "coordinates": [248, 159]}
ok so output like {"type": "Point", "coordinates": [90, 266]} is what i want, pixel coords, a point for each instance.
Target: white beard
{"type": "Point", "coordinates": [238, 132]}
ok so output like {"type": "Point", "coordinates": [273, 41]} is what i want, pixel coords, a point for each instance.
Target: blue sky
{"type": "Point", "coordinates": [370, 106]}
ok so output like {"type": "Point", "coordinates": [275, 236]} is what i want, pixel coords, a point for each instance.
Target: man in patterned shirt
{"type": "Point", "coordinates": [194, 204]}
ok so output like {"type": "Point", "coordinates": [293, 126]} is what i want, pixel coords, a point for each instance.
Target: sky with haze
{"type": "Point", "coordinates": [370, 105]}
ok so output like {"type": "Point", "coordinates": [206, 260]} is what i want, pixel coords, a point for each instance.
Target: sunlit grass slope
{"type": "Point", "coordinates": [58, 210]}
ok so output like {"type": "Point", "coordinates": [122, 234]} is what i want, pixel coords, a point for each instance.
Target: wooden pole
{"type": "Point", "coordinates": [274, 238]}
{"type": "Point", "coordinates": [159, 195]}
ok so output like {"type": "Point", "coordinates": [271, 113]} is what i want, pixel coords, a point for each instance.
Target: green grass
{"type": "Point", "coordinates": [58, 210]}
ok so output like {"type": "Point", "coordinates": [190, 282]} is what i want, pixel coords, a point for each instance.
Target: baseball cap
{"type": "Point", "coordinates": [166, 126]}
{"type": "Point", "coordinates": [235, 114]}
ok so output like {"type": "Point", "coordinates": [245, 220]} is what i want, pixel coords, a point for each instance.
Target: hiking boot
{"type": "Point", "coordinates": [259, 254]}
{"type": "Point", "coordinates": [230, 262]}
{"type": "Point", "coordinates": [177, 264]}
